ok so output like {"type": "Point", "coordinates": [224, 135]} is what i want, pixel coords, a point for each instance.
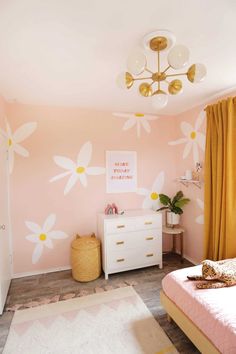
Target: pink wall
{"type": "Point", "coordinates": [2, 112]}
{"type": "Point", "coordinates": [40, 133]}
{"type": "Point", "coordinates": [48, 131]}
{"type": "Point", "coordinates": [193, 213]}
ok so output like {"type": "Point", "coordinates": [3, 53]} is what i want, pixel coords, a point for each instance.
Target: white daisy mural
{"type": "Point", "coordinates": [200, 218]}
{"type": "Point", "coordinates": [139, 120]}
{"type": "Point", "coordinates": [77, 171]}
{"type": "Point", "coordinates": [152, 200]}
{"type": "Point", "coordinates": [193, 138]}
{"type": "Point", "coordinates": [15, 138]}
{"type": "Point", "coordinates": [43, 236]}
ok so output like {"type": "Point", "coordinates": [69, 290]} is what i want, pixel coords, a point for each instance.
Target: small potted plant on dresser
{"type": "Point", "coordinates": [173, 207]}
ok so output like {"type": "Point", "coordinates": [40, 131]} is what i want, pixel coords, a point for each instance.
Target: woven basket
{"type": "Point", "coordinates": [85, 258]}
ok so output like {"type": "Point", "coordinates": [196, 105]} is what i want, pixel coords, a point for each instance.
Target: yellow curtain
{"type": "Point", "coordinates": [220, 181]}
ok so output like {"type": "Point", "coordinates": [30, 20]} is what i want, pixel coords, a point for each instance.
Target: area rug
{"type": "Point", "coordinates": [115, 321]}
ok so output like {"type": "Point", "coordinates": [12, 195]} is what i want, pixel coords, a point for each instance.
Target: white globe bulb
{"type": "Point", "coordinates": [136, 62]}
{"type": "Point", "coordinates": [200, 73]}
{"type": "Point", "coordinates": [121, 81]}
{"type": "Point", "coordinates": [159, 100]}
{"type": "Point", "coordinates": [178, 57]}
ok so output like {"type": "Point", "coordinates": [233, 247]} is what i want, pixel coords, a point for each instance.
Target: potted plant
{"type": "Point", "coordinates": [173, 206]}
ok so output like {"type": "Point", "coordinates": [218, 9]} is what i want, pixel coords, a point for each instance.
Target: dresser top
{"type": "Point", "coordinates": [129, 213]}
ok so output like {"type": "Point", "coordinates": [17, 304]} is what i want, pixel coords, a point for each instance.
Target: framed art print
{"type": "Point", "coordinates": [121, 171]}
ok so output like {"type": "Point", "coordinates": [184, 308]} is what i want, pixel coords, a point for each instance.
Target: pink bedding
{"type": "Point", "coordinates": [212, 310]}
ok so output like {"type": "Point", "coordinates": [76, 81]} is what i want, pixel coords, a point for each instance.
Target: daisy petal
{"type": "Point", "coordinates": [20, 150]}
{"type": "Point", "coordinates": [179, 141]}
{"type": "Point", "coordinates": [147, 203]}
{"type": "Point", "coordinates": [83, 179]}
{"type": "Point", "coordinates": [143, 191]}
{"type": "Point", "coordinates": [8, 128]}
{"type": "Point", "coordinates": [24, 131]}
{"type": "Point", "coordinates": [95, 170]}
{"type": "Point", "coordinates": [3, 133]}
{"type": "Point", "coordinates": [35, 228]}
{"type": "Point", "coordinates": [195, 153]}
{"type": "Point", "coordinates": [155, 204]}
{"type": "Point", "coordinates": [187, 149]}
{"type": "Point", "coordinates": [200, 219]}
{"type": "Point", "coordinates": [129, 123]}
{"type": "Point", "coordinates": [33, 238]}
{"type": "Point", "coordinates": [123, 115]}
{"type": "Point", "coordinates": [200, 204]}
{"type": "Point", "coordinates": [61, 175]}
{"type": "Point", "coordinates": [199, 120]}
{"type": "Point", "coordinates": [57, 235]}
{"type": "Point", "coordinates": [201, 139]}
{"type": "Point", "coordinates": [64, 162]}
{"type": "Point", "coordinates": [37, 253]}
{"type": "Point", "coordinates": [48, 243]}
{"type": "Point", "coordinates": [84, 155]}
{"type": "Point", "coordinates": [49, 223]}
{"type": "Point", "coordinates": [146, 125]}
{"type": "Point", "coordinates": [158, 183]}
{"type": "Point", "coordinates": [186, 128]}
{"type": "Point", "coordinates": [138, 129]}
{"type": "Point", "coordinates": [11, 160]}
{"type": "Point", "coordinates": [71, 182]}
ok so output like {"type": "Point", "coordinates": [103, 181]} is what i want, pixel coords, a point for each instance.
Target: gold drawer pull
{"type": "Point", "coordinates": [148, 223]}
{"type": "Point", "coordinates": [149, 238]}
{"type": "Point", "coordinates": [149, 255]}
{"type": "Point", "coordinates": [120, 226]}
{"type": "Point", "coordinates": [120, 260]}
{"type": "Point", "coordinates": [120, 242]}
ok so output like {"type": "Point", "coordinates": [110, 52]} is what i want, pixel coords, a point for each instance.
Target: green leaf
{"type": "Point", "coordinates": [164, 199]}
{"type": "Point", "coordinates": [182, 202]}
{"type": "Point", "coordinates": [177, 197]}
{"type": "Point", "coordinates": [177, 210]}
{"type": "Point", "coordinates": [163, 208]}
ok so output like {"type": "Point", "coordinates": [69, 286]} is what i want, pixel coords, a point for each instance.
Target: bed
{"type": "Point", "coordinates": [208, 317]}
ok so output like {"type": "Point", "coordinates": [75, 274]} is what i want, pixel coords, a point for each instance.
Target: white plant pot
{"type": "Point", "coordinates": [172, 219]}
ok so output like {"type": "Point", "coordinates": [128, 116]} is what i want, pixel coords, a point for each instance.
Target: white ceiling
{"type": "Point", "coordinates": [69, 52]}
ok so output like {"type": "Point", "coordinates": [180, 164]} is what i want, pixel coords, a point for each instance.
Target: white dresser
{"type": "Point", "coordinates": [129, 241]}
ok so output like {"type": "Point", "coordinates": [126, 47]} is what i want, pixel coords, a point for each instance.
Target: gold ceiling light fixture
{"type": "Point", "coordinates": [177, 58]}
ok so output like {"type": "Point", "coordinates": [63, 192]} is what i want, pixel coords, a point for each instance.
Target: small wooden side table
{"type": "Point", "coordinates": [175, 231]}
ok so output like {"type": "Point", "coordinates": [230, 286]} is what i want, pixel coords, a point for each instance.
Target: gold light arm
{"type": "Point", "coordinates": [168, 67]}
{"type": "Point", "coordinates": [142, 78]}
{"type": "Point", "coordinates": [176, 74]}
{"type": "Point", "coordinates": [150, 71]}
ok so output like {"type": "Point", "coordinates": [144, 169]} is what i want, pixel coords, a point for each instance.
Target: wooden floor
{"type": "Point", "coordinates": [147, 283]}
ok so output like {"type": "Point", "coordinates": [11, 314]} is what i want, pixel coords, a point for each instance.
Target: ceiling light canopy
{"type": "Point", "coordinates": [177, 58]}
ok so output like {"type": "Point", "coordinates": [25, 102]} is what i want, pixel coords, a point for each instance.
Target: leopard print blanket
{"type": "Point", "coordinates": [218, 274]}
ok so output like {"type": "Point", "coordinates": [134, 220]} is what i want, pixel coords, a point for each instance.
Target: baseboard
{"type": "Point", "coordinates": [59, 269]}
{"type": "Point", "coordinates": [186, 257]}
{"type": "Point", "coordinates": [38, 272]}
{"type": "Point", "coordinates": [191, 260]}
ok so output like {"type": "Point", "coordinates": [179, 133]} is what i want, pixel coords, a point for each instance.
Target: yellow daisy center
{"type": "Point", "coordinates": [9, 142]}
{"type": "Point", "coordinates": [42, 237]}
{"type": "Point", "coordinates": [193, 135]}
{"type": "Point", "coordinates": [139, 115]}
{"type": "Point", "coordinates": [154, 196]}
{"type": "Point", "coordinates": [80, 169]}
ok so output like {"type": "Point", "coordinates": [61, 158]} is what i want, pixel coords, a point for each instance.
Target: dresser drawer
{"type": "Point", "coordinates": [133, 240]}
{"type": "Point", "coordinates": [149, 222]}
{"type": "Point", "coordinates": [119, 225]}
{"type": "Point", "coordinates": [128, 259]}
